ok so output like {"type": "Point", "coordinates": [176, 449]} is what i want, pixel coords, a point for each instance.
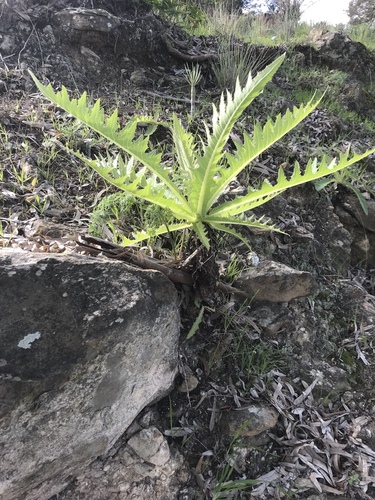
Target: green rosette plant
{"type": "Point", "coordinates": [203, 169]}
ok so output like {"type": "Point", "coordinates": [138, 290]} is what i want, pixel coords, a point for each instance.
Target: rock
{"type": "Point", "coordinates": [49, 229]}
{"type": "Point", "coordinates": [332, 380]}
{"type": "Point", "coordinates": [137, 78]}
{"type": "Point", "coordinates": [87, 20]}
{"type": "Point", "coordinates": [189, 384]}
{"type": "Point", "coordinates": [86, 344]}
{"type": "Point", "coordinates": [190, 381]}
{"type": "Point", "coordinates": [274, 318]}
{"type": "Point", "coordinates": [151, 446]}
{"type": "Point", "coordinates": [7, 44]}
{"type": "Point", "coordinates": [299, 59]}
{"type": "Point", "coordinates": [361, 227]}
{"type": "Point", "coordinates": [128, 476]}
{"type": "Point", "coordinates": [138, 479]}
{"type": "Point", "coordinates": [276, 282]}
{"type": "Point", "coordinates": [98, 44]}
{"type": "Point", "coordinates": [90, 54]}
{"type": "Point", "coordinates": [355, 97]}
{"type": "Point", "coordinates": [338, 51]}
{"type": "Point", "coordinates": [125, 473]}
{"type": "Point", "coordinates": [332, 243]}
{"type": "Point", "coordinates": [352, 206]}
{"type": "Point", "coordinates": [249, 421]}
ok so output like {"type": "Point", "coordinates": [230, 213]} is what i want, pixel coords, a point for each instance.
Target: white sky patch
{"type": "Point", "coordinates": [26, 342]}
{"type": "Point", "coordinates": [330, 11]}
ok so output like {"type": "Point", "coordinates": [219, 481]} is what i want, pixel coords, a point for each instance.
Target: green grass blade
{"type": "Point", "coordinates": [195, 326]}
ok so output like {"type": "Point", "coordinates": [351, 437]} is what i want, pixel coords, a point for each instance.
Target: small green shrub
{"type": "Point", "coordinates": [118, 215]}
{"type": "Point", "coordinates": [219, 21]}
{"type": "Point", "coordinates": [182, 12]}
{"type": "Point", "coordinates": [192, 188]}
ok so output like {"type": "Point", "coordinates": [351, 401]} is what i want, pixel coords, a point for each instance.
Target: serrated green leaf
{"type": "Point", "coordinates": [268, 191]}
{"type": "Point", "coordinates": [184, 146]}
{"type": "Point", "coordinates": [141, 236]}
{"type": "Point", "coordinates": [201, 231]}
{"type": "Point", "coordinates": [123, 138]}
{"type": "Point", "coordinates": [322, 183]}
{"type": "Point", "coordinates": [223, 121]}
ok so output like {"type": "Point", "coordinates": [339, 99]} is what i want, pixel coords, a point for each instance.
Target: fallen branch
{"type": "Point", "coordinates": [186, 57]}
{"type": "Point", "coordinates": [96, 246]}
{"type": "Point", "coordinates": [134, 257]}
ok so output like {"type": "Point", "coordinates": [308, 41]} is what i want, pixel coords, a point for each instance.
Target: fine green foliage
{"type": "Point", "coordinates": [191, 191]}
{"type": "Point", "coordinates": [225, 487]}
{"type": "Point", "coordinates": [118, 214]}
{"type": "Point", "coordinates": [183, 12]}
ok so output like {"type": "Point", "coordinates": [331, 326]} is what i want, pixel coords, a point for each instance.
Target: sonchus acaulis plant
{"type": "Point", "coordinates": [204, 169]}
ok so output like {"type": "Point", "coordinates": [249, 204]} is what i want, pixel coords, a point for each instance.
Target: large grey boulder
{"type": "Point", "coordinates": [85, 345]}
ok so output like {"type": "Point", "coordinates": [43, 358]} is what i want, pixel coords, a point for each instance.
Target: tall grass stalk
{"type": "Point", "coordinates": [237, 59]}
{"type": "Point", "coordinates": [220, 22]}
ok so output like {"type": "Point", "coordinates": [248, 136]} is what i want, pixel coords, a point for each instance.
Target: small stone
{"type": "Point", "coordinates": [276, 282]}
{"type": "Point", "coordinates": [151, 446]}
{"type": "Point", "coordinates": [137, 77]}
{"type": "Point", "coordinates": [249, 421]}
{"type": "Point", "coordinates": [353, 206]}
{"type": "Point", "coordinates": [189, 384]}
{"type": "Point", "coordinates": [7, 45]}
{"type": "Point", "coordinates": [89, 53]}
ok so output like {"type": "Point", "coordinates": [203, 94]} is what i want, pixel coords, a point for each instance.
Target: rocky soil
{"type": "Point", "coordinates": [279, 388]}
